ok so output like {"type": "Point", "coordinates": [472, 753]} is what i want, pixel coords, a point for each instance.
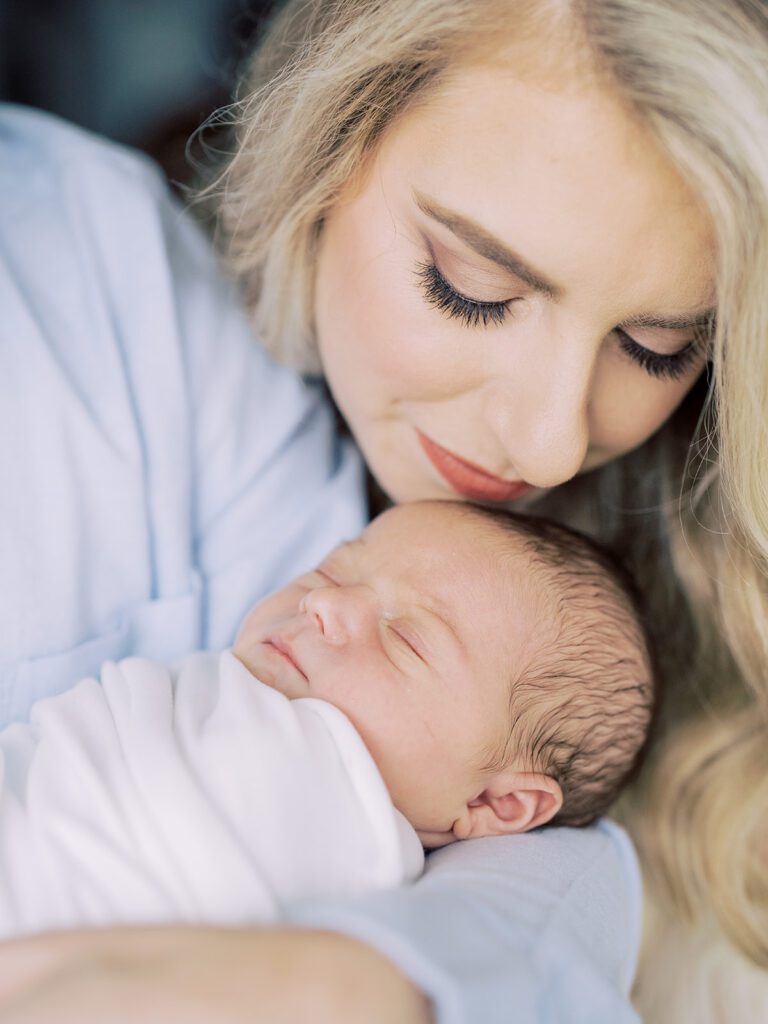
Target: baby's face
{"type": "Point", "coordinates": [415, 630]}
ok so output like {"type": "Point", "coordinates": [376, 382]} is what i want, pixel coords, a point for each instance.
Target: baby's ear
{"type": "Point", "coordinates": [511, 802]}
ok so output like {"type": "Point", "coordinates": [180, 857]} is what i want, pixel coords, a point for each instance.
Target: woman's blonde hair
{"type": "Point", "coordinates": [330, 77]}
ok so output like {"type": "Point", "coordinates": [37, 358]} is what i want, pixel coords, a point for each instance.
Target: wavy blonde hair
{"type": "Point", "coordinates": [318, 95]}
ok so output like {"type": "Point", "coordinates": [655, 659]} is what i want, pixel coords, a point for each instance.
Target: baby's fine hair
{"type": "Point", "coordinates": [581, 711]}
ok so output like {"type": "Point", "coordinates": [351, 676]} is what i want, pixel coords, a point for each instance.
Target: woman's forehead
{"type": "Point", "coordinates": [486, 125]}
{"type": "Point", "coordinates": [570, 179]}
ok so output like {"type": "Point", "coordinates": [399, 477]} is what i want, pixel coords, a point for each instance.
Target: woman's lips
{"type": "Point", "coordinates": [469, 480]}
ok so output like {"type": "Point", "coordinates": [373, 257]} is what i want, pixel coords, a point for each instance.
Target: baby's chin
{"type": "Point", "coordinates": [434, 840]}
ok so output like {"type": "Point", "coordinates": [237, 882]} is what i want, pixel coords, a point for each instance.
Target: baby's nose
{"type": "Point", "coordinates": [340, 613]}
{"type": "Point", "coordinates": [319, 606]}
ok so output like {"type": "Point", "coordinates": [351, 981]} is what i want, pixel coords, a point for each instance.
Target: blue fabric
{"type": "Point", "coordinates": [159, 473]}
{"type": "Point", "coordinates": [541, 928]}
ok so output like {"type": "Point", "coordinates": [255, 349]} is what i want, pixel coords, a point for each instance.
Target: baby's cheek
{"type": "Point", "coordinates": [273, 610]}
{"type": "Point", "coordinates": [244, 633]}
{"type": "Point", "coordinates": [410, 762]}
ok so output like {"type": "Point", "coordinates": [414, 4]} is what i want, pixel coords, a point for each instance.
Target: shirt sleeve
{"type": "Point", "coordinates": [537, 929]}
{"type": "Point", "coordinates": [160, 472]}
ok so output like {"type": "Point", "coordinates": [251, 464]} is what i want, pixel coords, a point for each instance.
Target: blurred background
{"type": "Point", "coordinates": [143, 72]}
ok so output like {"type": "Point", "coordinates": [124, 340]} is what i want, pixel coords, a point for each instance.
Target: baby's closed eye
{"type": "Point", "coordinates": [325, 576]}
{"type": "Point", "coordinates": [406, 636]}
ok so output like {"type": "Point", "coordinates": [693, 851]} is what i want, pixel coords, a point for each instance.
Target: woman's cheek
{"type": "Point", "coordinates": [379, 338]}
{"type": "Point", "coordinates": [629, 406]}
{"type": "Point", "coordinates": [410, 344]}
{"type": "Point", "coordinates": [379, 345]}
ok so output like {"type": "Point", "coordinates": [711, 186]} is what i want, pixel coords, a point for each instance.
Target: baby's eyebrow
{"type": "Point", "coordinates": [341, 551]}
{"type": "Point", "coordinates": [424, 604]}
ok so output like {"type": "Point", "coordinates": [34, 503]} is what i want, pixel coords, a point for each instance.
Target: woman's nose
{"type": "Point", "coordinates": [340, 613]}
{"type": "Point", "coordinates": [540, 410]}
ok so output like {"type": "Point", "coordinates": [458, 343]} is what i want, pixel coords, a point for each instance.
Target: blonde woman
{"type": "Point", "coordinates": [526, 243]}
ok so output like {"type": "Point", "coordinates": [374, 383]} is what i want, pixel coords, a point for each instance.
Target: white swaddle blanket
{"type": "Point", "coordinates": [194, 793]}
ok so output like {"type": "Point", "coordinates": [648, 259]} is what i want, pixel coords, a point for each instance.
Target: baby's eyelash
{"type": "Point", "coordinates": [324, 576]}
{"type": "Point", "coordinates": [403, 638]}
{"type": "Point", "coordinates": [440, 294]}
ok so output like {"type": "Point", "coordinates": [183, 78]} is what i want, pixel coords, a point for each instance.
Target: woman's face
{"type": "Point", "coordinates": [515, 294]}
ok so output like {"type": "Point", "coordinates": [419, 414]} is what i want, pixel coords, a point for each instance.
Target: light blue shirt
{"type": "Point", "coordinates": [159, 473]}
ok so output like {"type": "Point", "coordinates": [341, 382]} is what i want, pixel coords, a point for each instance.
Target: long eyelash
{"type": "Point", "coordinates": [671, 367]}
{"type": "Point", "coordinates": [440, 294]}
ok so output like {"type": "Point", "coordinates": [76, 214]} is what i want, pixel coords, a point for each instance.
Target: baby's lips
{"type": "Point", "coordinates": [287, 650]}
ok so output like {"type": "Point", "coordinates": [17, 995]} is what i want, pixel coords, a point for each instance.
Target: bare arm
{"type": "Point", "coordinates": [202, 976]}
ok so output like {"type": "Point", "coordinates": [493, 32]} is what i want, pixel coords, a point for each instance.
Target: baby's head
{"type": "Point", "coordinates": [495, 665]}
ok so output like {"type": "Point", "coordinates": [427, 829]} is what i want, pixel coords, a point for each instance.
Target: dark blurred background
{"type": "Point", "coordinates": [143, 72]}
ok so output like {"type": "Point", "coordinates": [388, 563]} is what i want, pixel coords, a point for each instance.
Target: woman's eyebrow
{"type": "Point", "coordinates": [486, 245]}
{"type": "Point", "coordinates": [706, 320]}
{"type": "Point", "coordinates": [490, 248]}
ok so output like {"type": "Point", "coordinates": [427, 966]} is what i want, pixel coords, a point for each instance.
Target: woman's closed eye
{"type": "Point", "coordinates": [472, 312]}
{"type": "Point", "coordinates": [663, 366]}
{"type": "Point", "coordinates": [443, 296]}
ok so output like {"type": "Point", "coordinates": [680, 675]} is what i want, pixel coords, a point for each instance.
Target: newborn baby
{"type": "Point", "coordinates": [453, 672]}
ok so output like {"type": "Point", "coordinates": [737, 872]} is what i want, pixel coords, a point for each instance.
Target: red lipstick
{"type": "Point", "coordinates": [469, 480]}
